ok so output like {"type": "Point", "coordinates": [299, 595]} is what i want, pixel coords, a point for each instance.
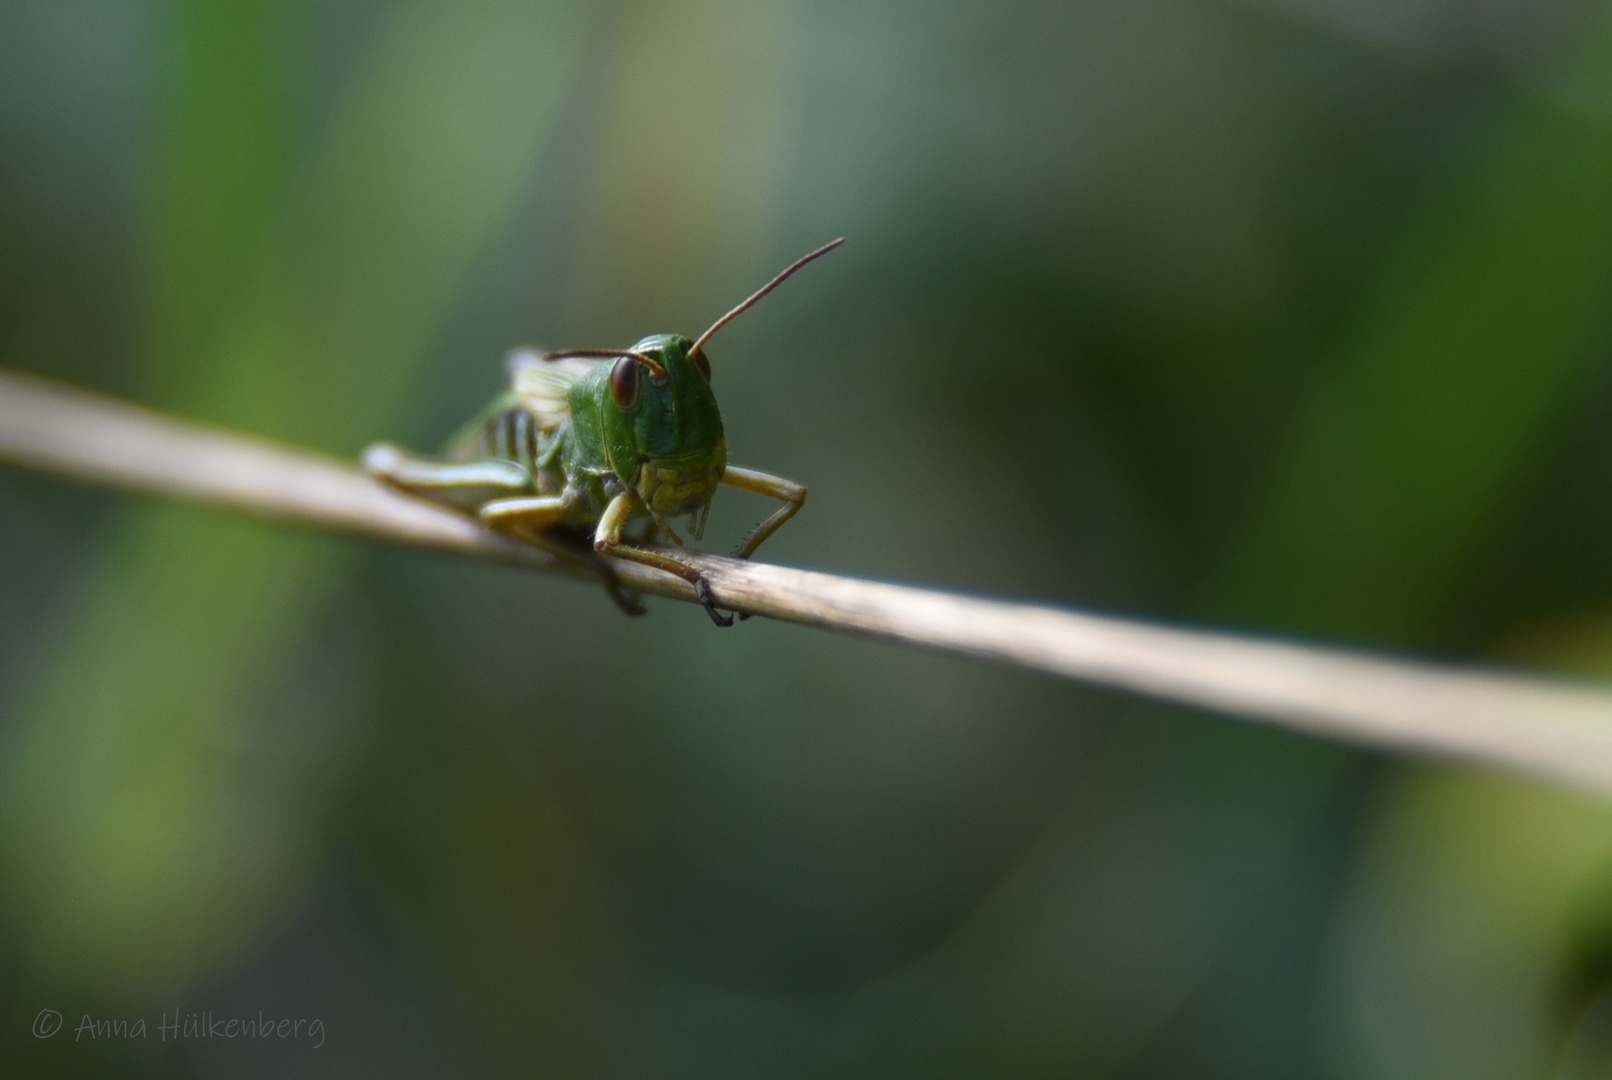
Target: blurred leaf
{"type": "Point", "coordinates": [1480, 331]}
{"type": "Point", "coordinates": [135, 844]}
{"type": "Point", "coordinates": [222, 169]}
{"type": "Point", "coordinates": [1456, 926]}
{"type": "Point", "coordinates": [687, 171]}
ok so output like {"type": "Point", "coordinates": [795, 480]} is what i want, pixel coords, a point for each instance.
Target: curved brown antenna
{"type": "Point", "coordinates": [763, 291]}
{"type": "Point", "coordinates": [654, 366]}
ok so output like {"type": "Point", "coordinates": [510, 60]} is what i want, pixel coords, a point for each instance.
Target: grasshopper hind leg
{"type": "Point", "coordinates": [463, 485]}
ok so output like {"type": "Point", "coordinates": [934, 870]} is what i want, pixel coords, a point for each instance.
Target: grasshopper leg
{"type": "Point", "coordinates": [496, 490]}
{"type": "Point", "coordinates": [525, 513]}
{"type": "Point", "coordinates": [792, 495]}
{"type": "Point", "coordinates": [607, 538]}
{"type": "Point", "coordinates": [529, 516]}
{"type": "Point", "coordinates": [463, 485]}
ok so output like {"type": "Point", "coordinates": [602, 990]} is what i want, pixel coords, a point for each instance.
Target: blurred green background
{"type": "Point", "coordinates": [1285, 314]}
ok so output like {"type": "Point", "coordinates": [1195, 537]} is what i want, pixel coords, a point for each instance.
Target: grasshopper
{"type": "Point", "coordinates": [577, 445]}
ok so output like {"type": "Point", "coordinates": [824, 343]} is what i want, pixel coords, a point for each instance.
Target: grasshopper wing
{"type": "Point", "coordinates": [541, 386]}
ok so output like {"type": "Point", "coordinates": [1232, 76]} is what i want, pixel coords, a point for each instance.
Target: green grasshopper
{"type": "Point", "coordinates": [575, 445]}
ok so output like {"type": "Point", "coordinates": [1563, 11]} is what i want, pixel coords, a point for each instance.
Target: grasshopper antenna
{"type": "Point", "coordinates": [763, 291]}
{"type": "Point", "coordinates": [654, 367]}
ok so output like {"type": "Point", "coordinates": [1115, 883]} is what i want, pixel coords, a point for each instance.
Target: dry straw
{"type": "Point", "coordinates": [1533, 725]}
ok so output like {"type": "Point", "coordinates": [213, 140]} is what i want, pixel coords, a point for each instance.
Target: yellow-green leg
{"type": "Point", "coordinates": [530, 517]}
{"type": "Point", "coordinates": [463, 485]}
{"type": "Point", "coordinates": [607, 538]}
{"type": "Point", "coordinates": [525, 513]}
{"type": "Point", "coordinates": [792, 495]}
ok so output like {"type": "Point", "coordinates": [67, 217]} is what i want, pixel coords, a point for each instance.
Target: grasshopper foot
{"type": "Point", "coordinates": [672, 565]}
{"type": "Point", "coordinates": [708, 602]}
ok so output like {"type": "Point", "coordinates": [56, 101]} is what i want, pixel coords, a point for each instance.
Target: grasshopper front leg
{"type": "Point", "coordinates": [607, 538]}
{"type": "Point", "coordinates": [793, 496]}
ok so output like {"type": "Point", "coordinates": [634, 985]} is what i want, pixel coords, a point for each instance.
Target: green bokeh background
{"type": "Point", "coordinates": [1285, 314]}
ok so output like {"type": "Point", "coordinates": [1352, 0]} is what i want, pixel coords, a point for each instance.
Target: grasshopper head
{"type": "Point", "coordinates": [667, 415]}
{"type": "Point", "coordinates": [662, 425]}
{"type": "Point", "coordinates": [651, 419]}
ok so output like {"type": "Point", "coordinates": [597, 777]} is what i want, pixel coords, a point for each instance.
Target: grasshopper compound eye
{"type": "Point", "coordinates": [624, 383]}
{"type": "Point", "coordinates": [702, 365]}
